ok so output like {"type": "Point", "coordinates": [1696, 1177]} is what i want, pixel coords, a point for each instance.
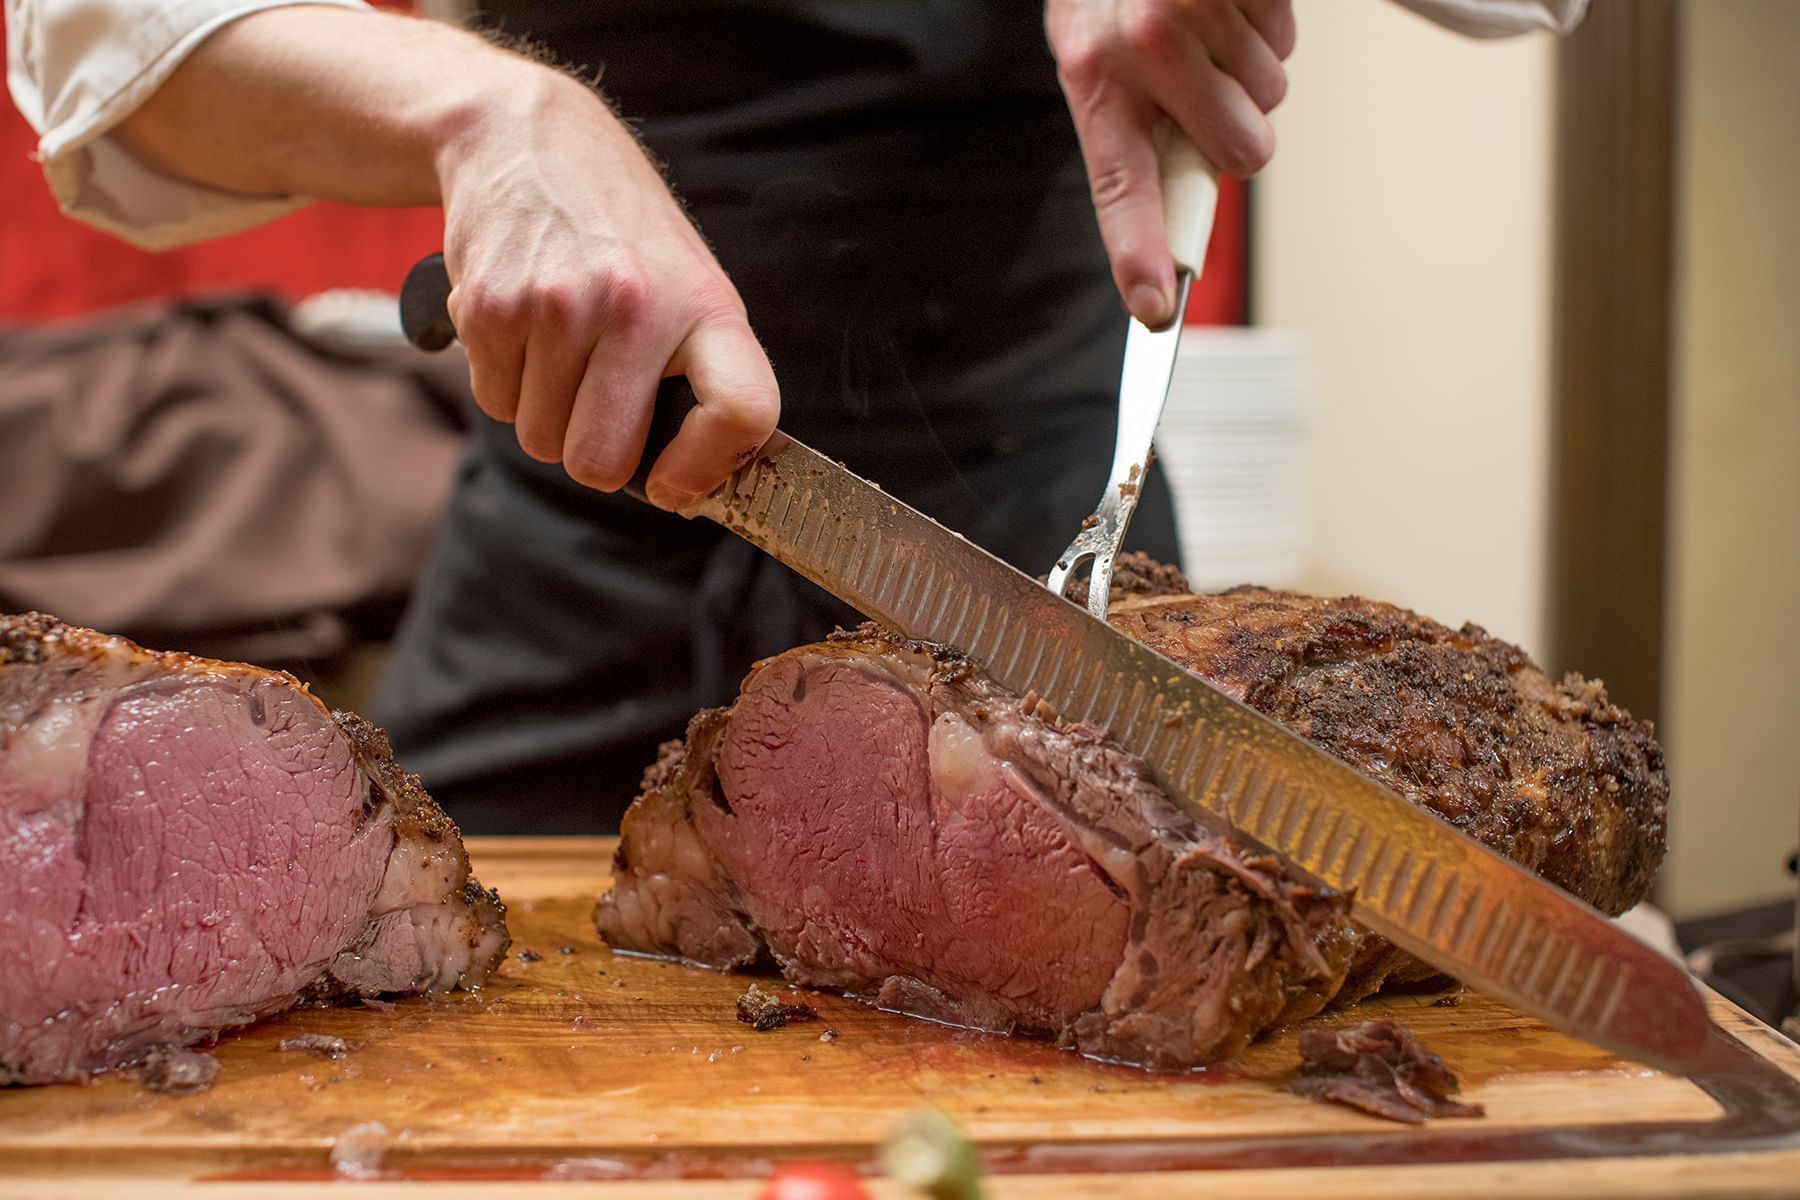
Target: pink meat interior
{"type": "Point", "coordinates": [873, 839]}
{"type": "Point", "coordinates": [218, 858]}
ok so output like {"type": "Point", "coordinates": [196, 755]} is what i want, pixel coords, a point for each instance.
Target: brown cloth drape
{"type": "Point", "coordinates": [202, 478]}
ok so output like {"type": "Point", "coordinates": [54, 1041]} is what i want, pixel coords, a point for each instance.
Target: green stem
{"type": "Point", "coordinates": [927, 1151]}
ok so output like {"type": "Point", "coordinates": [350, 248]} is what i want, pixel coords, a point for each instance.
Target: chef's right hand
{"type": "Point", "coordinates": [579, 284]}
{"type": "Point", "coordinates": [1213, 67]}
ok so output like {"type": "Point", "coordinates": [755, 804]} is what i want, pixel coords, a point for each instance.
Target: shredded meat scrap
{"type": "Point", "coordinates": [764, 1011]}
{"type": "Point", "coordinates": [1379, 1067]}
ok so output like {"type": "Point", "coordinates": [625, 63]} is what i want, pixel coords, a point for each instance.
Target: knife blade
{"type": "Point", "coordinates": [1412, 878]}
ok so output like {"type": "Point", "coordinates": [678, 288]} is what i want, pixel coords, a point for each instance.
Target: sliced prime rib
{"type": "Point", "coordinates": [187, 846]}
{"type": "Point", "coordinates": [877, 816]}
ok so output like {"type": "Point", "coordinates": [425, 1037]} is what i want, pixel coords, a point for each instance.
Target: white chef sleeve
{"type": "Point", "coordinates": [76, 68]}
{"type": "Point", "coordinates": [1500, 18]}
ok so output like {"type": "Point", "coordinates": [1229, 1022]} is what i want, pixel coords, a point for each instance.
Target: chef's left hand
{"type": "Point", "coordinates": [1212, 66]}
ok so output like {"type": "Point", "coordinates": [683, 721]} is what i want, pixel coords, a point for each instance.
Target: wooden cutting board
{"type": "Point", "coordinates": [579, 1072]}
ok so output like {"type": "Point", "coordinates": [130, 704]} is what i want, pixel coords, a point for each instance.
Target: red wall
{"type": "Point", "coordinates": [1221, 297]}
{"type": "Point", "coordinates": [51, 266]}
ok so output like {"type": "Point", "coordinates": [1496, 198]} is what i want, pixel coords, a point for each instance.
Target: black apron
{"type": "Point", "coordinates": [896, 190]}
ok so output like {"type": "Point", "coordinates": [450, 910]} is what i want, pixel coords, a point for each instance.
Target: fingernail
{"type": "Point", "coordinates": [1149, 304]}
{"type": "Point", "coordinates": [664, 496]}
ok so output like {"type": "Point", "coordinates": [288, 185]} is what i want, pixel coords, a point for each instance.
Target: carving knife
{"type": "Point", "coordinates": [1412, 878]}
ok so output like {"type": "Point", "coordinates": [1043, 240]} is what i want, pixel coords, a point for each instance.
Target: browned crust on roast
{"type": "Point", "coordinates": [1551, 774]}
{"type": "Point", "coordinates": [687, 906]}
{"type": "Point", "coordinates": [30, 638]}
{"type": "Point", "coordinates": [1136, 576]}
{"type": "Point", "coordinates": [415, 812]}
{"type": "Point", "coordinates": [418, 816]}
{"type": "Point", "coordinates": [26, 638]}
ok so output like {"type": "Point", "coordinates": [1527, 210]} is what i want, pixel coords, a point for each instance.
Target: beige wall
{"type": "Point", "coordinates": [1732, 678]}
{"type": "Point", "coordinates": [1404, 228]}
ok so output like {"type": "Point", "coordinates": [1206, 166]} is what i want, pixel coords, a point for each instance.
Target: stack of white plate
{"type": "Point", "coordinates": [1233, 442]}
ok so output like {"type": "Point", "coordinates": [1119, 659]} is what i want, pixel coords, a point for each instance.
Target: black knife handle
{"type": "Point", "coordinates": [425, 317]}
{"type": "Point", "coordinates": [674, 401]}
{"type": "Point", "coordinates": [425, 304]}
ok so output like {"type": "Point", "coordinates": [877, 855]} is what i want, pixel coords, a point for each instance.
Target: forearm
{"type": "Point", "coordinates": [357, 107]}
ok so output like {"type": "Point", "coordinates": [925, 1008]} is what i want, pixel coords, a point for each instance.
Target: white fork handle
{"type": "Point", "coordinates": [1190, 194]}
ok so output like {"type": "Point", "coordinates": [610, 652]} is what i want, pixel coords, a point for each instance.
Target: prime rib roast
{"type": "Point", "coordinates": [876, 816]}
{"type": "Point", "coordinates": [187, 846]}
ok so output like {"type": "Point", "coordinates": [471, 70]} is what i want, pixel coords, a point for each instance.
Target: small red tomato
{"type": "Point", "coordinates": [813, 1181]}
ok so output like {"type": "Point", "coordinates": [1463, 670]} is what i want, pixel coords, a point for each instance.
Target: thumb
{"type": "Point", "coordinates": [739, 405]}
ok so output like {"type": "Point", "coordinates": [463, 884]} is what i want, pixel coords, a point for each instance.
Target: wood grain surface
{"type": "Point", "coordinates": [581, 1072]}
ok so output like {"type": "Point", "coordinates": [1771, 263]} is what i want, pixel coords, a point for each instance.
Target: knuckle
{"type": "Point", "coordinates": [1082, 67]}
{"type": "Point", "coordinates": [1111, 186]}
{"type": "Point", "coordinates": [1248, 148]}
{"type": "Point", "coordinates": [1265, 88]}
{"type": "Point", "coordinates": [1274, 21]}
{"type": "Point", "coordinates": [1277, 19]}
{"type": "Point", "coordinates": [557, 304]}
{"type": "Point", "coordinates": [753, 410]}
{"type": "Point", "coordinates": [1274, 90]}
{"type": "Point", "coordinates": [628, 298]}
{"type": "Point", "coordinates": [1149, 29]}
{"type": "Point", "coordinates": [489, 309]}
{"type": "Point", "coordinates": [718, 302]}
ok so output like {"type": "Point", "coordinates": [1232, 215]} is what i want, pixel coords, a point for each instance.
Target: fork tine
{"type": "Point", "coordinates": [1071, 558]}
{"type": "Point", "coordinates": [1143, 389]}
